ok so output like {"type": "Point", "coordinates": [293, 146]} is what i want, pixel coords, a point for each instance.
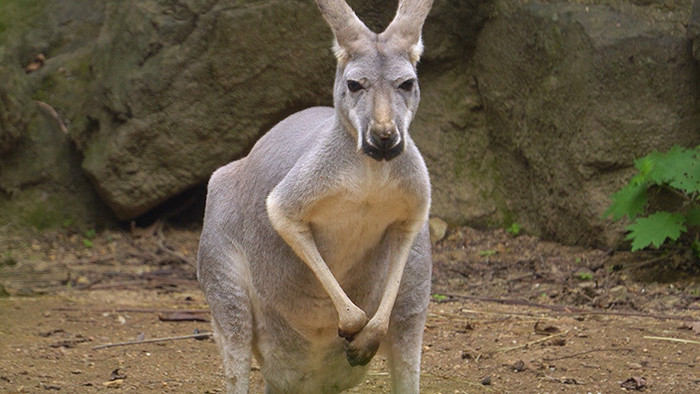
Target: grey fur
{"type": "Point", "coordinates": [323, 225]}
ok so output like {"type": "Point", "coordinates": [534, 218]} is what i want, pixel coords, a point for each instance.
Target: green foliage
{"type": "Point", "coordinates": [487, 253]}
{"type": "Point", "coordinates": [585, 276]}
{"type": "Point", "coordinates": [514, 229]}
{"type": "Point", "coordinates": [655, 229]}
{"type": "Point", "coordinates": [629, 201]}
{"type": "Point", "coordinates": [440, 297]}
{"type": "Point", "coordinates": [90, 234]}
{"type": "Point", "coordinates": [677, 170]}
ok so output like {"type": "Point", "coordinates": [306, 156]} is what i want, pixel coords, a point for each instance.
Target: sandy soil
{"type": "Point", "coordinates": [509, 314]}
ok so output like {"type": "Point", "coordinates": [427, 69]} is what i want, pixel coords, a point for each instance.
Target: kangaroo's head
{"type": "Point", "coordinates": [376, 86]}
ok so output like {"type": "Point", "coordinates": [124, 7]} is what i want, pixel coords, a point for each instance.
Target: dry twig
{"type": "Point", "coordinates": [680, 340]}
{"type": "Point", "coordinates": [202, 335]}
{"type": "Point", "coordinates": [132, 310]}
{"type": "Point", "coordinates": [524, 345]}
{"type": "Point", "coordinates": [587, 352]}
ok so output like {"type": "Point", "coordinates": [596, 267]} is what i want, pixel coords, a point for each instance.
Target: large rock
{"type": "Point", "coordinates": [198, 83]}
{"type": "Point", "coordinates": [41, 184]}
{"type": "Point", "coordinates": [450, 126]}
{"type": "Point", "coordinates": [573, 94]}
{"type": "Point", "coordinates": [187, 86]}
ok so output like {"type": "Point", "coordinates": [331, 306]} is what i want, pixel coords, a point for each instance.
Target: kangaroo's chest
{"type": "Point", "coordinates": [349, 227]}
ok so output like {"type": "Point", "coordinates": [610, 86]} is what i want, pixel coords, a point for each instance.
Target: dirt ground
{"type": "Point", "coordinates": [509, 314]}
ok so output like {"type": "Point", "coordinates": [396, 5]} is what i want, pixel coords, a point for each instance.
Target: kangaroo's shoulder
{"type": "Point", "coordinates": [304, 121]}
{"type": "Point", "coordinates": [294, 133]}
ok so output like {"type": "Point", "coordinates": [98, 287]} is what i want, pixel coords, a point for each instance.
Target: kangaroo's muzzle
{"type": "Point", "coordinates": [383, 143]}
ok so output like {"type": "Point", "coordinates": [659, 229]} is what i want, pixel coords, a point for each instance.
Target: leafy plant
{"type": "Point", "coordinates": [487, 253]}
{"type": "Point", "coordinates": [514, 229]}
{"type": "Point", "coordinates": [678, 171]}
{"type": "Point", "coordinates": [90, 234]}
{"type": "Point", "coordinates": [88, 237]}
{"type": "Point", "coordinates": [584, 276]}
{"type": "Point", "coordinates": [440, 297]}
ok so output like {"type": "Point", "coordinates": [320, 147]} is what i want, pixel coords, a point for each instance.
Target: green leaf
{"type": "Point", "coordinates": [679, 168]}
{"type": "Point", "coordinates": [585, 276]}
{"type": "Point", "coordinates": [514, 229]}
{"type": "Point", "coordinates": [646, 164]}
{"type": "Point", "coordinates": [629, 201]}
{"type": "Point", "coordinates": [440, 297]}
{"type": "Point", "coordinates": [655, 229]}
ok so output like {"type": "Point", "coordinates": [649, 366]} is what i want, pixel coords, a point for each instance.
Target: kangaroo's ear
{"type": "Point", "coordinates": [404, 32]}
{"type": "Point", "coordinates": [349, 31]}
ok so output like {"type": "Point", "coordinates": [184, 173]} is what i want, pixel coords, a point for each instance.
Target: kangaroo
{"type": "Point", "coordinates": [315, 251]}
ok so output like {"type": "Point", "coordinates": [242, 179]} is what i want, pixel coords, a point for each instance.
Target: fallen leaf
{"type": "Point", "coordinates": [117, 374]}
{"type": "Point", "coordinates": [634, 383]}
{"type": "Point", "coordinates": [49, 333]}
{"type": "Point", "coordinates": [542, 329]}
{"type": "Point", "coordinates": [519, 366]}
{"type": "Point", "coordinates": [51, 387]}
{"type": "Point", "coordinates": [557, 342]}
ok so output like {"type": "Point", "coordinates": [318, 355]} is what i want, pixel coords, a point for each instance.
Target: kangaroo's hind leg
{"type": "Point", "coordinates": [403, 342]}
{"type": "Point", "coordinates": [232, 321]}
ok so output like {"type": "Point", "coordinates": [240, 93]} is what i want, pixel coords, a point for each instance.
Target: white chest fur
{"type": "Point", "coordinates": [351, 223]}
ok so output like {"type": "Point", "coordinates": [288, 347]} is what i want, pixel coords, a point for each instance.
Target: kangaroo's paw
{"type": "Point", "coordinates": [351, 322]}
{"type": "Point", "coordinates": [360, 349]}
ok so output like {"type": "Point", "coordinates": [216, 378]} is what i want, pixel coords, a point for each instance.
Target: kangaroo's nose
{"type": "Point", "coordinates": [383, 141]}
{"type": "Point", "coordinates": [384, 135]}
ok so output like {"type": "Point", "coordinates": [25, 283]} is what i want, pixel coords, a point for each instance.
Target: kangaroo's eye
{"type": "Point", "coordinates": [407, 85]}
{"type": "Point", "coordinates": [354, 86]}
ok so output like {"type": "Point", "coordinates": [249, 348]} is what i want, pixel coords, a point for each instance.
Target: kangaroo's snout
{"type": "Point", "coordinates": [383, 141]}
